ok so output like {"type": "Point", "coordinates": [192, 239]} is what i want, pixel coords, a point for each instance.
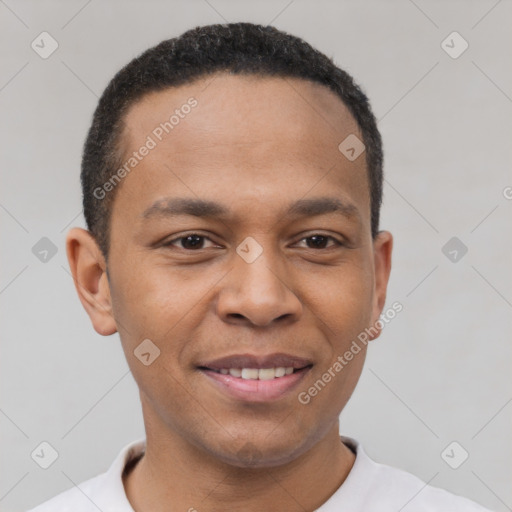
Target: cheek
{"type": "Point", "coordinates": [151, 308]}
{"type": "Point", "coordinates": [343, 300]}
{"type": "Point", "coordinates": [345, 305]}
{"type": "Point", "coordinates": [149, 297]}
{"type": "Point", "coordinates": [163, 306]}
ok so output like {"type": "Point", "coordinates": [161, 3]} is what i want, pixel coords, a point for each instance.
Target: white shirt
{"type": "Point", "coordinates": [369, 487]}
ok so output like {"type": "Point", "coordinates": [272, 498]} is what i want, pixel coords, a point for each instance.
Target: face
{"type": "Point", "coordinates": [241, 242]}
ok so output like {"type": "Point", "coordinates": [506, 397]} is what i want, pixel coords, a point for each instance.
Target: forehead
{"type": "Point", "coordinates": [237, 107]}
{"type": "Point", "coordinates": [245, 135]}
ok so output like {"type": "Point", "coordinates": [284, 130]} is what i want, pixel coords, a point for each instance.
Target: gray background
{"type": "Point", "coordinates": [441, 370]}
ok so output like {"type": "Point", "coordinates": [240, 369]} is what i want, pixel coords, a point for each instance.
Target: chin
{"type": "Point", "coordinates": [265, 452]}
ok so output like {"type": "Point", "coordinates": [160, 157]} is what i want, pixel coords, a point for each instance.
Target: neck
{"type": "Point", "coordinates": [181, 476]}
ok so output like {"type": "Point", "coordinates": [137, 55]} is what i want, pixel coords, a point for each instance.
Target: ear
{"type": "Point", "coordinates": [382, 248]}
{"type": "Point", "coordinates": [88, 268]}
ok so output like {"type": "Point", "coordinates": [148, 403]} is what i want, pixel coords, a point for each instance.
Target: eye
{"type": "Point", "coordinates": [191, 242]}
{"type": "Point", "coordinates": [319, 241]}
{"type": "Point", "coordinates": [195, 242]}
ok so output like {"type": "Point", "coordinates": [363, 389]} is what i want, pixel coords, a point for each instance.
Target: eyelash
{"type": "Point", "coordinates": [338, 243]}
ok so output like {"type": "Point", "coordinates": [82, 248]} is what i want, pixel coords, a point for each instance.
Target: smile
{"type": "Point", "coordinates": [257, 374]}
{"type": "Point", "coordinates": [256, 378]}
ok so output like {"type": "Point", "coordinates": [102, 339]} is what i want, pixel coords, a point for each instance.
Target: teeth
{"type": "Point", "coordinates": [249, 373]}
{"type": "Point", "coordinates": [266, 373]}
{"type": "Point", "coordinates": [280, 372]}
{"type": "Point", "coordinates": [257, 374]}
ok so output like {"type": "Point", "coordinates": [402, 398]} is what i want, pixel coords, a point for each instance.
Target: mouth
{"type": "Point", "coordinates": [256, 378]}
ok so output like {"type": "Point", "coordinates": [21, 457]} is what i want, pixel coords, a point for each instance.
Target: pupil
{"type": "Point", "coordinates": [193, 241]}
{"type": "Point", "coordinates": [318, 238]}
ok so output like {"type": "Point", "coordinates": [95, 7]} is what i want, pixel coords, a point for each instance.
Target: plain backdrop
{"type": "Point", "coordinates": [440, 373]}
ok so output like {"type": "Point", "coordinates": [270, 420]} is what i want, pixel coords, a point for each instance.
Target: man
{"type": "Point", "coordinates": [232, 181]}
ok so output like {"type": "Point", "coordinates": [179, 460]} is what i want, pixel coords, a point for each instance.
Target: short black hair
{"type": "Point", "coordinates": [235, 48]}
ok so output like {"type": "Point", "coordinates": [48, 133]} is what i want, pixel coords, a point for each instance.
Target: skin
{"type": "Point", "coordinates": [255, 145]}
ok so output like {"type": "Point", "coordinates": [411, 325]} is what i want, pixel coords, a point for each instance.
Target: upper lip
{"type": "Point", "coordinates": [257, 361]}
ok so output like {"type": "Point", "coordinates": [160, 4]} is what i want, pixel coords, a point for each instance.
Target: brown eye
{"type": "Point", "coordinates": [189, 242]}
{"type": "Point", "coordinates": [192, 242]}
{"type": "Point", "coordinates": [320, 241]}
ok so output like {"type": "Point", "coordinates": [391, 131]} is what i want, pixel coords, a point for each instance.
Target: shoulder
{"type": "Point", "coordinates": [410, 493]}
{"type": "Point", "coordinates": [76, 499]}
{"type": "Point", "coordinates": [372, 485]}
{"type": "Point", "coordinates": [102, 492]}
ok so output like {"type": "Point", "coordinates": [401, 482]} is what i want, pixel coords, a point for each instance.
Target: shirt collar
{"type": "Point", "coordinates": [110, 496]}
{"type": "Point", "coordinates": [353, 492]}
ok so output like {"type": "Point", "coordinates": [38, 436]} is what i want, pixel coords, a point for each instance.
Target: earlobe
{"type": "Point", "coordinates": [382, 249]}
{"type": "Point", "coordinates": [88, 268]}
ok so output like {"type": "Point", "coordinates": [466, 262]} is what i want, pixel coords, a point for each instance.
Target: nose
{"type": "Point", "coordinates": [257, 293]}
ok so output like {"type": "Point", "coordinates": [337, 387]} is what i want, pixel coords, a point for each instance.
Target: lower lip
{"type": "Point", "coordinates": [255, 390]}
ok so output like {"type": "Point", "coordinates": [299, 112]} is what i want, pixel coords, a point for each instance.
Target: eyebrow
{"type": "Point", "coordinates": [176, 206]}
